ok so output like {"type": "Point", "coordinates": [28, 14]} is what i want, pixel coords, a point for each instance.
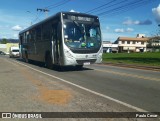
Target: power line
{"type": "Point", "coordinates": [120, 12]}
{"type": "Point", "coordinates": [123, 7]}
{"type": "Point", "coordinates": [117, 7]}
{"type": "Point", "coordinates": [100, 6]}
{"type": "Point", "coordinates": [43, 10]}
{"type": "Point", "coordinates": [34, 15]}
{"type": "Point", "coordinates": [106, 7]}
{"type": "Point", "coordinates": [58, 4]}
{"type": "Point", "coordinates": [47, 8]}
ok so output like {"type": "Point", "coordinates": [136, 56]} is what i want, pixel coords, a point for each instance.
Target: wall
{"type": "Point", "coordinates": [5, 47]}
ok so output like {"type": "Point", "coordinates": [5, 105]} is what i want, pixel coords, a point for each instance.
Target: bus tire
{"type": "Point", "coordinates": [79, 67]}
{"type": "Point", "coordinates": [26, 57]}
{"type": "Point", "coordinates": [48, 61]}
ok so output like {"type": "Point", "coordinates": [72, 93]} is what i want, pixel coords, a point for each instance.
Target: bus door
{"type": "Point", "coordinates": [20, 45]}
{"type": "Point", "coordinates": [32, 44]}
{"type": "Point", "coordinates": [55, 54]}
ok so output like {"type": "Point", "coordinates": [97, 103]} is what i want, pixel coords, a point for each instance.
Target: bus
{"type": "Point", "coordinates": [64, 39]}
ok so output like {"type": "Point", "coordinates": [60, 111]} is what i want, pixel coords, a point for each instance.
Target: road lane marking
{"type": "Point", "coordinates": [83, 88]}
{"type": "Point", "coordinates": [141, 69]}
{"type": "Point", "coordinates": [129, 75]}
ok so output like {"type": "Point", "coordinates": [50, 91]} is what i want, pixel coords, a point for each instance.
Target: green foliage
{"type": "Point", "coordinates": [152, 59]}
{"type": "Point", "coordinates": [4, 41]}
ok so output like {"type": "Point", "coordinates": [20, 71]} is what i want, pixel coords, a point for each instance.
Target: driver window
{"type": "Point", "coordinates": [92, 32]}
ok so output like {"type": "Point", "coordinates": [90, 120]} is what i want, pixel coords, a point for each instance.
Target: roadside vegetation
{"type": "Point", "coordinates": [150, 59]}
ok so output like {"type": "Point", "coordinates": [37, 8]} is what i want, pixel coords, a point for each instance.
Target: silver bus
{"type": "Point", "coordinates": [65, 39]}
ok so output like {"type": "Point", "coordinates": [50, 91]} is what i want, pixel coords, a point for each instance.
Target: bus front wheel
{"type": "Point", "coordinates": [79, 67]}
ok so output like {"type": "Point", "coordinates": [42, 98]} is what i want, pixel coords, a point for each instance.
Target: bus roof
{"type": "Point", "coordinates": [57, 14]}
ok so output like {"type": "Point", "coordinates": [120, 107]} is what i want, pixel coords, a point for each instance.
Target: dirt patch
{"type": "Point", "coordinates": [60, 97]}
{"type": "Point", "coordinates": [45, 94]}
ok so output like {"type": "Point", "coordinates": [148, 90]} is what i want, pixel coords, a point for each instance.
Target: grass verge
{"type": "Point", "coordinates": [149, 59]}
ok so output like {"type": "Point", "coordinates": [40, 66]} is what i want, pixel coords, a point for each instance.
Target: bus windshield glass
{"type": "Point", "coordinates": [82, 35]}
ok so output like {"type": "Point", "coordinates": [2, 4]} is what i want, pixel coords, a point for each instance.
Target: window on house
{"type": "Point", "coordinates": [133, 42]}
{"type": "Point", "coordinates": [123, 42]}
{"type": "Point", "coordinates": [142, 43]}
{"type": "Point", "coordinates": [128, 42]}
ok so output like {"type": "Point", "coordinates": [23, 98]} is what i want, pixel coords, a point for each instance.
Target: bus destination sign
{"type": "Point", "coordinates": [80, 18]}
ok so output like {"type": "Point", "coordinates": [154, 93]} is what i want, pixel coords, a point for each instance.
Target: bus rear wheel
{"type": "Point", "coordinates": [26, 57]}
{"type": "Point", "coordinates": [48, 62]}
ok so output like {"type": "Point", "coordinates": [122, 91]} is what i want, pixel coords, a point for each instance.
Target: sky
{"type": "Point", "coordinates": [118, 18]}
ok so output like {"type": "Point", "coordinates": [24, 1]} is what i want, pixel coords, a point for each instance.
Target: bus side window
{"type": "Point", "coordinates": [21, 39]}
{"type": "Point", "coordinates": [54, 32]}
{"type": "Point", "coordinates": [28, 37]}
{"type": "Point", "coordinates": [46, 31]}
{"type": "Point", "coordinates": [32, 35]}
{"type": "Point", "coordinates": [38, 33]}
{"type": "Point", "coordinates": [25, 37]}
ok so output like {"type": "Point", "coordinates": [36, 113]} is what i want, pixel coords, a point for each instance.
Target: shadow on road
{"type": "Point", "coordinates": [55, 67]}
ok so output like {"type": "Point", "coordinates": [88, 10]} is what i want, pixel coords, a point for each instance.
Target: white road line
{"type": "Point", "coordinates": [83, 88]}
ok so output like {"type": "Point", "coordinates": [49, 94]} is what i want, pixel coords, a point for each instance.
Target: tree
{"type": "Point", "coordinates": [154, 42]}
{"type": "Point", "coordinates": [4, 41]}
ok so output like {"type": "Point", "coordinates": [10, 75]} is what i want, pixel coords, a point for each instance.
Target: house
{"type": "Point", "coordinates": [128, 44]}
{"type": "Point", "coordinates": [153, 44]}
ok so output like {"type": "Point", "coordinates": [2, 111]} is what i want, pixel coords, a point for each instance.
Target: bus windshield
{"type": "Point", "coordinates": [82, 35]}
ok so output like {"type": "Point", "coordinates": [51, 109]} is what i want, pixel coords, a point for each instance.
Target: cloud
{"type": "Point", "coordinates": [17, 28]}
{"type": "Point", "coordinates": [156, 13]}
{"type": "Point", "coordinates": [73, 11]}
{"type": "Point", "coordinates": [129, 30]}
{"type": "Point", "coordinates": [119, 30]}
{"type": "Point", "coordinates": [146, 22]}
{"type": "Point", "coordinates": [129, 22]}
{"type": "Point", "coordinates": [137, 22]}
{"type": "Point", "coordinates": [124, 30]}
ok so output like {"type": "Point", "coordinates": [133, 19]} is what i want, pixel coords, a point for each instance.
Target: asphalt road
{"type": "Point", "coordinates": [94, 88]}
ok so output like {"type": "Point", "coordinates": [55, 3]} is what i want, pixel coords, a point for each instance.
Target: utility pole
{"type": "Point", "coordinates": [43, 10]}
